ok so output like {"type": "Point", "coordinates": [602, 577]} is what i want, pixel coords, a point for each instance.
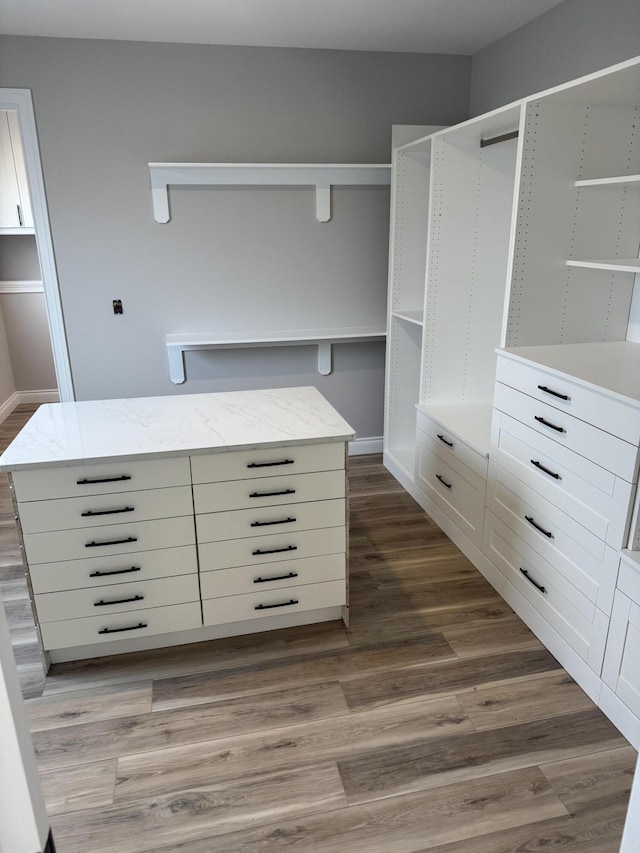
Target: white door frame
{"type": "Point", "coordinates": [20, 100]}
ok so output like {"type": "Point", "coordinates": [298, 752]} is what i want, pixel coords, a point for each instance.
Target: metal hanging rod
{"type": "Point", "coordinates": [495, 139]}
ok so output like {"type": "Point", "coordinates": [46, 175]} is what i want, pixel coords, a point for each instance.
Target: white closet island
{"type": "Point", "coordinates": [163, 520]}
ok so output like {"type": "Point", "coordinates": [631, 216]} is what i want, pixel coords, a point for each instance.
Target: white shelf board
{"type": "Point", "coordinates": [614, 264]}
{"type": "Point", "coordinates": [178, 344]}
{"type": "Point", "coordinates": [18, 230]}
{"type": "Point", "coordinates": [21, 287]}
{"type": "Point", "coordinates": [469, 421]}
{"type": "Point", "coordinates": [322, 176]}
{"type": "Point", "coordinates": [414, 317]}
{"type": "Point", "coordinates": [619, 181]}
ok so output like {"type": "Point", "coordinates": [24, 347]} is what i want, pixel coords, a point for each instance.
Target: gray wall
{"type": "Point", "coordinates": [105, 109]}
{"type": "Point", "coordinates": [7, 385]}
{"type": "Point", "coordinates": [572, 39]}
{"type": "Point", "coordinates": [27, 331]}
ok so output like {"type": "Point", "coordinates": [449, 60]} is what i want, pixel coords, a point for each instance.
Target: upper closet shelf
{"type": "Point", "coordinates": [619, 181]}
{"type": "Point", "coordinates": [178, 344]}
{"type": "Point", "coordinates": [615, 264]}
{"type": "Point", "coordinates": [414, 317]}
{"type": "Point", "coordinates": [320, 176]}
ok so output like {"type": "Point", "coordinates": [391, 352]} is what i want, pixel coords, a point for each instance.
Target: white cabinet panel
{"type": "Point", "coordinates": [238, 524]}
{"type": "Point", "coordinates": [237, 608]}
{"type": "Point", "coordinates": [39, 484]}
{"type": "Point", "coordinates": [267, 462]}
{"type": "Point", "coordinates": [245, 579]}
{"type": "Point", "coordinates": [269, 491]}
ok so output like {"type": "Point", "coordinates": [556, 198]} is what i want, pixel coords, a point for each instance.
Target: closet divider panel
{"type": "Point", "coordinates": [564, 142]}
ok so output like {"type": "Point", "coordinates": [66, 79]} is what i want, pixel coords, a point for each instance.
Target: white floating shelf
{"type": "Point", "coordinates": [414, 317]}
{"type": "Point", "coordinates": [620, 181]}
{"type": "Point", "coordinates": [320, 176]}
{"type": "Point", "coordinates": [324, 339]}
{"type": "Point", "coordinates": [614, 264]}
{"type": "Point", "coordinates": [21, 287]}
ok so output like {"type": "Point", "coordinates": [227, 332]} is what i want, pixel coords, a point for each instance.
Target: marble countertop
{"type": "Point", "coordinates": [179, 425]}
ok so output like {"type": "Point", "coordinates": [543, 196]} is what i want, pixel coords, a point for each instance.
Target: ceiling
{"type": "Point", "coordinates": [423, 26]}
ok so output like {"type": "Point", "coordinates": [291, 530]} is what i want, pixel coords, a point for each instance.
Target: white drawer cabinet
{"type": "Point", "coordinates": [169, 514]}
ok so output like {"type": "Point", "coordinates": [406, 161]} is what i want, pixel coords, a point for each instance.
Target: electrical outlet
{"type": "Point", "coordinates": [117, 306]}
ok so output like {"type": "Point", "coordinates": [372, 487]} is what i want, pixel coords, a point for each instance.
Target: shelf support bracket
{"type": "Point", "coordinates": [325, 358]}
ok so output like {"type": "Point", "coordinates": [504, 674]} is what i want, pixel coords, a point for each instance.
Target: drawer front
{"type": "Point", "coordinates": [122, 626]}
{"type": "Point", "coordinates": [239, 523]}
{"type": "Point", "coordinates": [116, 598]}
{"type": "Point", "coordinates": [103, 479]}
{"type": "Point", "coordinates": [576, 619]}
{"type": "Point", "coordinates": [97, 572]}
{"type": "Point", "coordinates": [460, 497]}
{"type": "Point", "coordinates": [110, 540]}
{"type": "Point", "coordinates": [248, 579]}
{"type": "Point", "coordinates": [240, 608]}
{"type": "Point", "coordinates": [586, 561]}
{"type": "Point", "coordinates": [604, 449]}
{"type": "Point", "coordinates": [269, 491]}
{"type": "Point", "coordinates": [267, 462]}
{"type": "Point", "coordinates": [270, 549]}
{"type": "Point", "coordinates": [99, 510]}
{"type": "Point", "coordinates": [451, 447]}
{"type": "Point", "coordinates": [587, 404]}
{"type": "Point", "coordinates": [591, 495]}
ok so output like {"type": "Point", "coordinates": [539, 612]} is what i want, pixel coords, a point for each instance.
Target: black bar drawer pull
{"type": "Point", "coordinates": [444, 440]}
{"type": "Point", "coordinates": [554, 393]}
{"type": "Point", "coordinates": [93, 512]}
{"type": "Point", "coordinates": [118, 630]}
{"type": "Point", "coordinates": [259, 552]}
{"type": "Point", "coordinates": [549, 424]}
{"type": "Point", "coordinates": [546, 470]}
{"type": "Point", "coordinates": [531, 580]}
{"type": "Point", "coordinates": [278, 578]}
{"type": "Point", "coordinates": [529, 518]}
{"type": "Point", "coordinates": [270, 606]}
{"type": "Point", "coordinates": [443, 481]}
{"type": "Point", "coordinates": [269, 523]}
{"type": "Point", "coordinates": [272, 494]}
{"type": "Point", "coordinates": [86, 481]}
{"type": "Point", "coordinates": [100, 574]}
{"type": "Point", "coordinates": [111, 542]}
{"type": "Point", "coordinates": [103, 603]}
{"type": "Point", "coordinates": [270, 464]}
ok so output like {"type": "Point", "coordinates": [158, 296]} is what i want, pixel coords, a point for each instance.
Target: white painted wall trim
{"type": "Point", "coordinates": [21, 287]}
{"type": "Point", "coordinates": [364, 446]}
{"type": "Point", "coordinates": [20, 100]}
{"type": "Point", "coordinates": [50, 395]}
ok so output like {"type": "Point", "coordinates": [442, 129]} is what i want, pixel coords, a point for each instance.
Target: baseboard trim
{"type": "Point", "coordinates": [50, 395]}
{"type": "Point", "coordinates": [364, 446]}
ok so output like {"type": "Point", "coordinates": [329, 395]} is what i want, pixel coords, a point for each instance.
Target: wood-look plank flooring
{"type": "Point", "coordinates": [437, 723]}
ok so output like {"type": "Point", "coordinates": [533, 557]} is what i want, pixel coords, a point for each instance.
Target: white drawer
{"type": "Point", "coordinates": [240, 608]}
{"type": "Point", "coordinates": [575, 618]}
{"type": "Point", "coordinates": [267, 462]}
{"type": "Point", "coordinates": [99, 510]}
{"type": "Point", "coordinates": [239, 523]}
{"type": "Point", "coordinates": [269, 491]}
{"type": "Point", "coordinates": [604, 449]}
{"type": "Point", "coordinates": [97, 572]}
{"type": "Point", "coordinates": [113, 539]}
{"type": "Point", "coordinates": [591, 495]}
{"type": "Point", "coordinates": [273, 548]}
{"type": "Point", "coordinates": [103, 479]}
{"type": "Point", "coordinates": [451, 447]}
{"type": "Point", "coordinates": [116, 598]}
{"type": "Point", "coordinates": [122, 626]}
{"type": "Point", "coordinates": [586, 561]}
{"type": "Point", "coordinates": [587, 404]}
{"type": "Point", "coordinates": [247, 579]}
{"type": "Point", "coordinates": [629, 577]}
{"type": "Point", "coordinates": [458, 492]}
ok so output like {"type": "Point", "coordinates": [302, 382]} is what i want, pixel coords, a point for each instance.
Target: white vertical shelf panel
{"type": "Point", "coordinates": [405, 344]}
{"type": "Point", "coordinates": [551, 302]}
{"type": "Point", "coordinates": [467, 267]}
